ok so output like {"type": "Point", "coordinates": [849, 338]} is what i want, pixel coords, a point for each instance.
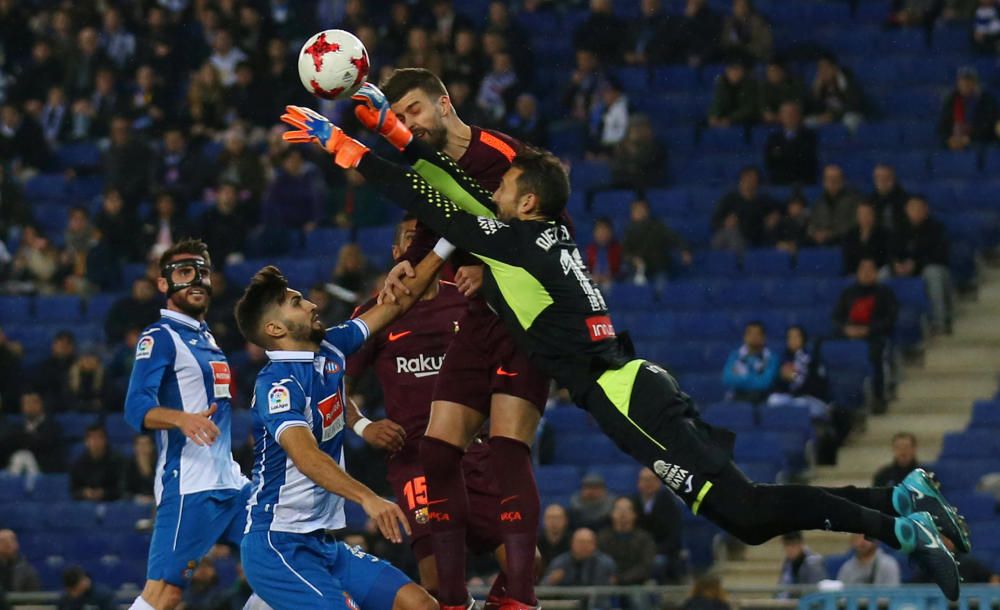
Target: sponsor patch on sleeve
{"type": "Point", "coordinates": [279, 400]}
{"type": "Point", "coordinates": [144, 348]}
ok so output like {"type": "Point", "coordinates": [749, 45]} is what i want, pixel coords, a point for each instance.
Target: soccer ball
{"type": "Point", "coordinates": [333, 64]}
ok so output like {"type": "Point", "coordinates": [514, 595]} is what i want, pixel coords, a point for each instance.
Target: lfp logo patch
{"type": "Point", "coordinates": [279, 400]}
{"type": "Point", "coordinates": [144, 348]}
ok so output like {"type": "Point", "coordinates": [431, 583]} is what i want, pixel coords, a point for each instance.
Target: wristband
{"type": "Point", "coordinates": [443, 248]}
{"type": "Point", "coordinates": [360, 425]}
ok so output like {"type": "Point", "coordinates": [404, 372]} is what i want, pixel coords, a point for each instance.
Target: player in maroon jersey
{"type": "Point", "coordinates": [407, 357]}
{"type": "Point", "coordinates": [484, 374]}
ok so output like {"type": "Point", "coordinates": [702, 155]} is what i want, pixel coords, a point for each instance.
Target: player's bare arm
{"type": "Point", "coordinates": [425, 274]}
{"type": "Point", "coordinates": [198, 427]}
{"type": "Point", "coordinates": [300, 445]}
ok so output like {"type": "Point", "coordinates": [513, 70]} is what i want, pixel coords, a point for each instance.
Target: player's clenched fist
{"type": "Point", "coordinates": [199, 427]}
{"type": "Point", "coordinates": [385, 434]}
{"type": "Point", "coordinates": [386, 516]}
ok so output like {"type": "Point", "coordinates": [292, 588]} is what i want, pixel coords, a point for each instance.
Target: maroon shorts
{"type": "Point", "coordinates": [482, 360]}
{"type": "Point", "coordinates": [406, 475]}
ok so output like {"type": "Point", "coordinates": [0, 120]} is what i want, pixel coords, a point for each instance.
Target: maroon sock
{"type": "Point", "coordinates": [448, 512]}
{"type": "Point", "coordinates": [499, 588]}
{"type": "Point", "coordinates": [519, 511]}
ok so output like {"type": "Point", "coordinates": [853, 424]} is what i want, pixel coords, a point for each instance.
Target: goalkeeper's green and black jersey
{"type": "Point", "coordinates": [537, 281]}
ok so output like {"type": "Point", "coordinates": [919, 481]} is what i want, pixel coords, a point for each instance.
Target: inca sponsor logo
{"type": "Point", "coordinates": [510, 516]}
{"type": "Point", "coordinates": [439, 517]}
{"type": "Point", "coordinates": [671, 474]}
{"type": "Point", "coordinates": [600, 328]}
{"type": "Point", "coordinates": [420, 366]}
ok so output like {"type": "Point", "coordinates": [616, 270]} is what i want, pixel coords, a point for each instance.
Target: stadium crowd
{"type": "Point", "coordinates": [164, 115]}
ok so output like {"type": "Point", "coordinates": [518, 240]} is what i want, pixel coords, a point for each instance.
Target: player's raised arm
{"type": "Point", "coordinates": [440, 171]}
{"type": "Point", "coordinates": [479, 235]}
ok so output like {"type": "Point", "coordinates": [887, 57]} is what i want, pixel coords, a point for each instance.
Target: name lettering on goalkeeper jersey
{"type": "Point", "coordinates": [573, 263]}
{"type": "Point", "coordinates": [551, 237]}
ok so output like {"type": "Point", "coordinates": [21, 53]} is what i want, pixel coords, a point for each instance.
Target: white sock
{"type": "Point", "coordinates": [256, 603]}
{"type": "Point", "coordinates": [140, 604]}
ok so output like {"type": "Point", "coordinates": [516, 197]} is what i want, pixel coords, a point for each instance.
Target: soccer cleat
{"type": "Point", "coordinates": [919, 493]}
{"type": "Point", "coordinates": [508, 603]}
{"type": "Point", "coordinates": [919, 539]}
{"type": "Point", "coordinates": [492, 603]}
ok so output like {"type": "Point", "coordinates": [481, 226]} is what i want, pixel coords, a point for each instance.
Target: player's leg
{"type": "Point", "coordinates": [513, 423]}
{"type": "Point", "coordinates": [451, 428]}
{"type": "Point", "coordinates": [409, 485]}
{"type": "Point", "coordinates": [375, 584]}
{"type": "Point", "coordinates": [234, 535]}
{"type": "Point", "coordinates": [292, 572]}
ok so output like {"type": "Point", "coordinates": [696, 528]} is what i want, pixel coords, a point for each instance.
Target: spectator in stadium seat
{"type": "Point", "coordinates": [147, 102]}
{"type": "Point", "coordinates": [601, 32]}
{"type": "Point", "coordinates": [869, 565]}
{"type": "Point", "coordinates": [119, 368]}
{"type": "Point", "coordinates": [224, 226]}
{"type": "Point", "coordinates": [247, 99]}
{"type": "Point", "coordinates": [225, 57]}
{"type": "Point", "coordinates": [920, 248]}
{"type": "Point", "coordinates": [986, 28]}
{"type": "Point", "coordinates": [179, 169]}
{"type": "Point", "coordinates": [648, 244]}
{"type": "Point", "coordinates": [204, 111]}
{"type": "Point", "coordinates": [584, 84]}
{"type": "Point", "coordinates": [498, 88]}
{"type": "Point", "coordinates": [835, 210]}
{"type": "Point", "coordinates": [79, 239]}
{"type": "Point", "coordinates": [583, 565]}
{"type": "Point", "coordinates": [888, 196]}
{"type": "Point", "coordinates": [802, 566]}
{"type": "Point", "coordinates": [971, 569]}
{"type": "Point", "coordinates": [37, 261]}
{"type": "Point", "coordinates": [591, 505]}
{"type": "Point", "coordinates": [22, 141]}
{"type": "Point", "coordinates": [117, 42]}
{"type": "Point", "coordinates": [164, 227]}
{"type": "Point", "coordinates": [96, 475]}
{"type": "Point", "coordinates": [106, 101]}
{"type": "Point", "coordinates": [751, 370]}
{"type": "Point", "coordinates": [35, 444]}
{"type": "Point", "coordinates": [609, 119]}
{"type": "Point", "coordinates": [138, 310]}
{"type": "Point", "coordinates": [204, 592]}
{"type": "Point", "coordinates": [914, 13]}
{"type": "Point", "coordinates": [792, 230]}
{"type": "Point", "coordinates": [40, 72]}
{"type": "Point", "coordinates": [140, 471]}
{"type": "Point", "coordinates": [16, 574]}
{"type": "Point", "coordinates": [604, 254]}
{"type": "Point", "coordinates": [466, 61]}
{"type": "Point", "coordinates": [649, 35]}
{"type": "Point", "coordinates": [904, 461]}
{"type": "Point", "coordinates": [835, 96]}
{"type": "Point", "coordinates": [245, 373]}
{"type": "Point", "coordinates": [81, 593]}
{"type": "Point", "coordinates": [639, 160]}
{"type": "Point", "coordinates": [525, 122]}
{"type": "Point", "coordinates": [117, 227]}
{"type": "Point", "coordinates": [748, 205]}
{"type": "Point", "coordinates": [10, 374]}
{"type": "Point", "coordinates": [555, 535]}
{"type": "Point", "coordinates": [241, 166]}
{"type": "Point", "coordinates": [801, 380]}
{"type": "Point", "coordinates": [707, 594]}
{"type": "Point", "coordinates": [420, 52]}
{"type": "Point", "coordinates": [86, 384]}
{"type": "Point", "coordinates": [747, 33]}
{"type": "Point", "coordinates": [660, 515]}
{"type": "Point", "coordinates": [52, 377]}
{"type": "Point", "coordinates": [866, 311]}
{"type": "Point", "coordinates": [83, 63]}
{"type": "Point", "coordinates": [128, 164]}
{"type": "Point", "coordinates": [728, 237]}
{"type": "Point", "coordinates": [697, 33]}
{"type": "Point", "coordinates": [54, 117]}
{"type": "Point", "coordinates": [777, 88]}
{"type": "Point", "coordinates": [969, 115]}
{"type": "Point", "coordinates": [790, 153]}
{"type": "Point", "coordinates": [14, 211]}
{"type": "Point", "coordinates": [632, 549]}
{"type": "Point", "coordinates": [868, 239]}
{"type": "Point", "coordinates": [736, 98]}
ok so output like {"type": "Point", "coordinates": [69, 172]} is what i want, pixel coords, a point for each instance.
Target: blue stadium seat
{"type": "Point", "coordinates": [674, 78]}
{"type": "Point", "coordinates": [787, 419]}
{"type": "Point", "coordinates": [685, 294]}
{"type": "Point", "coordinates": [61, 308]}
{"type": "Point", "coordinates": [124, 514]}
{"type": "Point", "coordinates": [539, 22]}
{"type": "Point", "coordinates": [880, 135]}
{"type": "Point", "coordinates": [630, 297]}
{"type": "Point", "coordinates": [834, 136]}
{"type": "Point", "coordinates": [985, 414]}
{"type": "Point", "coordinates": [46, 187]}
{"type": "Point", "coordinates": [759, 446]}
{"type": "Point", "coordinates": [584, 174]}
{"type": "Point", "coordinates": [97, 306]}
{"type": "Point", "coordinates": [635, 79]}
{"type": "Point", "coordinates": [986, 534]}
{"type": "Point", "coordinates": [955, 165]}
{"type": "Point", "coordinates": [791, 292]}
{"type": "Point", "coordinates": [119, 432]}
{"type": "Point", "coordinates": [131, 272]}
{"type": "Point", "coordinates": [910, 292]}
{"type": "Point", "coordinates": [620, 479]}
{"type": "Point", "coordinates": [567, 139]}
{"type": "Point", "coordinates": [557, 480]}
{"type": "Point", "coordinates": [302, 273]}
{"type": "Point", "coordinates": [669, 202]}
{"type": "Point", "coordinates": [974, 506]}
{"type": "Point", "coordinates": [326, 241]}
{"type": "Point", "coordinates": [49, 488]}
{"type": "Point", "coordinates": [704, 388]}
{"type": "Point", "coordinates": [766, 262]}
{"type": "Point", "coordinates": [71, 515]}
{"type": "Point", "coordinates": [646, 324]}
{"type": "Point", "coordinates": [903, 41]}
{"type": "Point", "coordinates": [717, 262]}
{"type": "Point", "coordinates": [52, 218]}
{"type": "Point", "coordinates": [586, 450]}
{"type": "Point", "coordinates": [738, 294]}
{"type": "Point", "coordinates": [570, 420]}
{"type": "Point", "coordinates": [823, 262]}
{"type": "Point", "coordinates": [760, 472]}
{"type": "Point", "coordinates": [79, 155]}
{"type": "Point", "coordinates": [74, 424]}
{"type": "Point", "coordinates": [15, 309]}
{"type": "Point", "coordinates": [84, 189]}
{"type": "Point", "coordinates": [963, 473]}
{"type": "Point", "coordinates": [723, 139]}
{"type": "Point", "coordinates": [846, 354]}
{"type": "Point", "coordinates": [735, 416]}
{"type": "Point", "coordinates": [705, 325]}
{"type": "Point", "coordinates": [608, 202]}
{"type": "Point", "coordinates": [11, 488]}
{"type": "Point", "coordinates": [971, 444]}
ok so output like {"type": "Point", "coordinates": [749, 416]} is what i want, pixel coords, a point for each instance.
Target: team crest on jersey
{"type": "Point", "coordinates": [279, 400]}
{"type": "Point", "coordinates": [331, 367]}
{"type": "Point", "coordinates": [144, 348]}
{"type": "Point", "coordinates": [332, 410]}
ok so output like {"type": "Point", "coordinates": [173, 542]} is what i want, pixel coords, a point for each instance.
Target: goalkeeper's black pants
{"type": "Point", "coordinates": [642, 409]}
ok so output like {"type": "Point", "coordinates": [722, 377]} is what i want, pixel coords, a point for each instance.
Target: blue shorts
{"type": "Point", "coordinates": [187, 526]}
{"type": "Point", "coordinates": [296, 571]}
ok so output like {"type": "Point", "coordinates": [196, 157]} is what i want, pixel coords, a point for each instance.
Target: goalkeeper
{"type": "Point", "coordinates": [540, 287]}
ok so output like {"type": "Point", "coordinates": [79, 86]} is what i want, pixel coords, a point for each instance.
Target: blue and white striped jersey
{"type": "Point", "coordinates": [179, 366]}
{"type": "Point", "coordinates": [300, 389]}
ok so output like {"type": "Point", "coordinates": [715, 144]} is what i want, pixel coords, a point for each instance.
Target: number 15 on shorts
{"type": "Point", "coordinates": [415, 492]}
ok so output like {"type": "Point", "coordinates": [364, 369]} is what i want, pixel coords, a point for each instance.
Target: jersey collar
{"type": "Point", "coordinates": [184, 319]}
{"type": "Point", "coordinates": [290, 356]}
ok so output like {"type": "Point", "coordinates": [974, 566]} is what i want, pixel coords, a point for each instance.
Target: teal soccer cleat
{"type": "Point", "coordinates": [920, 540]}
{"type": "Point", "coordinates": [919, 493]}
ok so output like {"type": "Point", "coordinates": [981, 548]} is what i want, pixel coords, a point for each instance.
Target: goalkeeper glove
{"type": "Point", "coordinates": [314, 127]}
{"type": "Point", "coordinates": [374, 113]}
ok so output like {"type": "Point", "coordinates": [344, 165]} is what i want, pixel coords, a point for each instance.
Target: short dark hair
{"type": "Point", "coordinates": [604, 220]}
{"type": "Point", "coordinates": [755, 324]}
{"type": "Point", "coordinates": [746, 169]}
{"type": "Point", "coordinates": [194, 247]}
{"type": "Point", "coordinates": [267, 288]}
{"type": "Point", "coordinates": [905, 435]}
{"type": "Point", "coordinates": [543, 175]}
{"type": "Point", "coordinates": [72, 576]}
{"type": "Point", "coordinates": [795, 536]}
{"type": "Point", "coordinates": [398, 234]}
{"type": "Point", "coordinates": [65, 334]}
{"type": "Point", "coordinates": [95, 427]}
{"type": "Point", "coordinates": [404, 80]}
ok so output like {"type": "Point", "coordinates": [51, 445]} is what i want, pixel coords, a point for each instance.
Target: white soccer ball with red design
{"type": "Point", "coordinates": [333, 64]}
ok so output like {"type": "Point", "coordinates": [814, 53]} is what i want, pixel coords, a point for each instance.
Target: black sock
{"type": "Point", "coordinates": [875, 498]}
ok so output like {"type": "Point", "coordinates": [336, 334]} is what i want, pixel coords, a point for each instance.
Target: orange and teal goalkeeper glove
{"type": "Point", "coordinates": [374, 112]}
{"type": "Point", "coordinates": [314, 127]}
